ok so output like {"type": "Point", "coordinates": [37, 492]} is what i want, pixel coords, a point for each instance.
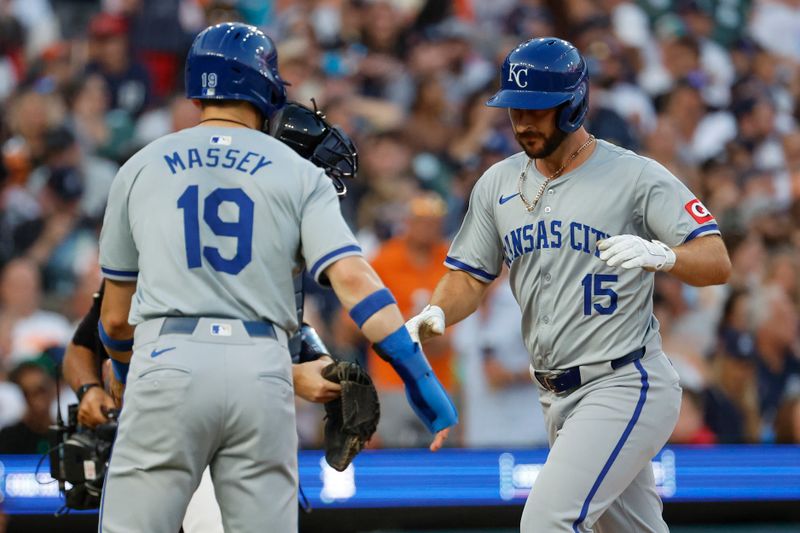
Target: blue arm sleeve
{"type": "Point", "coordinates": [424, 391]}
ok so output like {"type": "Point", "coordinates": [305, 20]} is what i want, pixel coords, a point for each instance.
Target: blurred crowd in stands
{"type": "Point", "coordinates": [711, 89]}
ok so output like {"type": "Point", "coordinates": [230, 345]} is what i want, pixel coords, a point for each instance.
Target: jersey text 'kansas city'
{"type": "Point", "coordinates": [577, 309]}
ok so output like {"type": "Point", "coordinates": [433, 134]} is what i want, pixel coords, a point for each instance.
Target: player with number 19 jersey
{"type": "Point", "coordinates": [181, 222]}
{"type": "Point", "coordinates": [553, 257]}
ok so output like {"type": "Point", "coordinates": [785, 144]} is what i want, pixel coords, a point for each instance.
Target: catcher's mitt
{"type": "Point", "coordinates": [351, 419]}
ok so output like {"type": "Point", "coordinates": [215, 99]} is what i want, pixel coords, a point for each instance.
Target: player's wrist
{"type": "Point", "coordinates": [433, 310]}
{"type": "Point", "coordinates": [86, 387]}
{"type": "Point", "coordinates": [669, 257]}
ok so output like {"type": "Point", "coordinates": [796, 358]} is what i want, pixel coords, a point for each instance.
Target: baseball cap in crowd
{"type": "Point", "coordinates": [66, 183]}
{"type": "Point", "coordinates": [107, 25]}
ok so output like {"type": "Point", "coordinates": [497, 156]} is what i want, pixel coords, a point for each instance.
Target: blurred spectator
{"type": "Point", "coordinates": [159, 38]}
{"type": "Point", "coordinates": [386, 169]}
{"type": "Point", "coordinates": [36, 16]}
{"type": "Point", "coordinates": [128, 81]}
{"type": "Point", "coordinates": [99, 130]}
{"type": "Point", "coordinates": [12, 404]}
{"type": "Point", "coordinates": [63, 151]}
{"type": "Point", "coordinates": [180, 114]}
{"type": "Point", "coordinates": [500, 405]}
{"type": "Point", "coordinates": [12, 41]}
{"type": "Point", "coordinates": [29, 435]}
{"type": "Point", "coordinates": [731, 400]}
{"type": "Point", "coordinates": [58, 240]}
{"type": "Point", "coordinates": [410, 265]}
{"type": "Point", "coordinates": [776, 342]}
{"type": "Point", "coordinates": [690, 428]}
{"type": "Point", "coordinates": [428, 128]}
{"type": "Point", "coordinates": [775, 26]}
{"type": "Point", "coordinates": [30, 115]}
{"type": "Point", "coordinates": [26, 330]}
{"type": "Point", "coordinates": [715, 61]}
{"type": "Point", "coordinates": [787, 421]}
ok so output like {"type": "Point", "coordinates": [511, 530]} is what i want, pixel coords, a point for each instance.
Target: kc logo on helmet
{"type": "Point", "coordinates": [514, 72]}
{"type": "Point", "coordinates": [698, 211]}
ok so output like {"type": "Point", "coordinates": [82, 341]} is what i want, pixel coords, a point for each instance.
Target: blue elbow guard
{"type": "Point", "coordinates": [425, 393]}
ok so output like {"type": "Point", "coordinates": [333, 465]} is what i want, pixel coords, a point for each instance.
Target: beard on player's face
{"type": "Point", "coordinates": [538, 145]}
{"type": "Point", "coordinates": [536, 131]}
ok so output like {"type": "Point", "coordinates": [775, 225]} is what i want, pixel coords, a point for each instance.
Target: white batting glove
{"type": "Point", "coordinates": [630, 251]}
{"type": "Point", "coordinates": [430, 322]}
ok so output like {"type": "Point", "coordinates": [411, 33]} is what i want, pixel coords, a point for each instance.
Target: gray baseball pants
{"type": "Point", "coordinates": [215, 397]}
{"type": "Point", "coordinates": [603, 435]}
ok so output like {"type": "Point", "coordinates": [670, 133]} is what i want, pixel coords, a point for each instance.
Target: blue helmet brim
{"type": "Point", "coordinates": [528, 99]}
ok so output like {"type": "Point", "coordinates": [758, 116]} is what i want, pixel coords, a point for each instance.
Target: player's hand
{"type": "Point", "coordinates": [94, 406]}
{"type": "Point", "coordinates": [438, 441]}
{"type": "Point", "coordinates": [431, 403]}
{"type": "Point", "coordinates": [309, 383]}
{"type": "Point", "coordinates": [631, 251]}
{"type": "Point", "coordinates": [428, 324]}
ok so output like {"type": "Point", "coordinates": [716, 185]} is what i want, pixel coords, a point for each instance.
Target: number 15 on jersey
{"type": "Point", "coordinates": [595, 292]}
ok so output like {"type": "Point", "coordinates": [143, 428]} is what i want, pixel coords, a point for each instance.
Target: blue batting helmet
{"type": "Point", "coordinates": [544, 73]}
{"type": "Point", "coordinates": [235, 61]}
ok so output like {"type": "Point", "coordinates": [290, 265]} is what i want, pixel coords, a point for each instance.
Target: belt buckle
{"type": "Point", "coordinates": [548, 380]}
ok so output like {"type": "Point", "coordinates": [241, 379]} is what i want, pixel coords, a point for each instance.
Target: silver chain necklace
{"type": "Point", "coordinates": [531, 206]}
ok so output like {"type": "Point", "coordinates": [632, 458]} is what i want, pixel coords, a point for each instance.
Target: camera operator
{"type": "Point", "coordinates": [86, 355]}
{"type": "Point", "coordinates": [82, 369]}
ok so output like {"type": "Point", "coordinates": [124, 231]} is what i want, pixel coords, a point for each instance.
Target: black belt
{"type": "Point", "coordinates": [185, 325]}
{"type": "Point", "coordinates": [564, 380]}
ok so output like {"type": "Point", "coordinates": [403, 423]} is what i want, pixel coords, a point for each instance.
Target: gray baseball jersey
{"type": "Point", "coordinates": [575, 308]}
{"type": "Point", "coordinates": [215, 222]}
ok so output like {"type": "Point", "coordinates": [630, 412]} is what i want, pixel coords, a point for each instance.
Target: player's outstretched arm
{"type": "Point", "coordinates": [457, 296]}
{"type": "Point", "coordinates": [699, 262]}
{"type": "Point", "coordinates": [373, 308]}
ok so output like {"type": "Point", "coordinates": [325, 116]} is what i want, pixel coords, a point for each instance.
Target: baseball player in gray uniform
{"type": "Point", "coordinates": [582, 225]}
{"type": "Point", "coordinates": [203, 233]}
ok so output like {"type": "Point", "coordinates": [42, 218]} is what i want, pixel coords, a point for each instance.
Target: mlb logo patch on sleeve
{"type": "Point", "coordinates": [698, 211]}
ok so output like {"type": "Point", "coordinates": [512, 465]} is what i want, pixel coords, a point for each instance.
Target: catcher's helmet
{"type": "Point", "coordinates": [308, 133]}
{"type": "Point", "coordinates": [544, 73]}
{"type": "Point", "coordinates": [235, 61]}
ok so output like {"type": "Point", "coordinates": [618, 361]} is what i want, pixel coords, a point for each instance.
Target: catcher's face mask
{"type": "Point", "coordinates": [308, 133]}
